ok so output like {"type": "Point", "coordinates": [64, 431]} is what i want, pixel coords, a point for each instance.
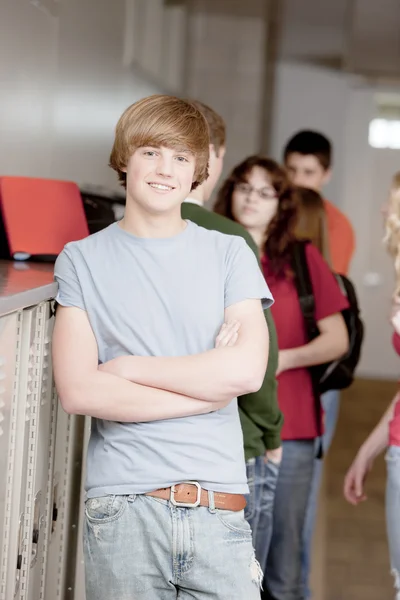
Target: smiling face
{"type": "Point", "coordinates": [159, 179]}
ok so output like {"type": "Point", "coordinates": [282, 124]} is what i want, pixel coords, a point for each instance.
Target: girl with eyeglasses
{"type": "Point", "coordinates": [258, 195]}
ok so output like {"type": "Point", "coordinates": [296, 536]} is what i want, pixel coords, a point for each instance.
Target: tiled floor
{"type": "Point", "coordinates": [356, 557]}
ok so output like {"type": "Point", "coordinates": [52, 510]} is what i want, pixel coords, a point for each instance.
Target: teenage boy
{"type": "Point", "coordinates": [308, 159]}
{"type": "Point", "coordinates": [259, 412]}
{"type": "Point", "coordinates": [145, 299]}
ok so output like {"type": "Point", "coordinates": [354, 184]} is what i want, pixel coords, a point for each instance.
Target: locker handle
{"type": "Point", "coordinates": [55, 507]}
{"type": "Point", "coordinates": [38, 521]}
{"type": "Point", "coordinates": [19, 555]}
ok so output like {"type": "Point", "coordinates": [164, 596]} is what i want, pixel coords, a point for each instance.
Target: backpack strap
{"type": "Point", "coordinates": [304, 288]}
{"type": "Point", "coordinates": [305, 293]}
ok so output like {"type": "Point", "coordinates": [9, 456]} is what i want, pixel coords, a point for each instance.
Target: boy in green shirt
{"type": "Point", "coordinates": [259, 412]}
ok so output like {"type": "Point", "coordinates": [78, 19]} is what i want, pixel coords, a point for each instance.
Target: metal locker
{"type": "Point", "coordinates": [63, 540]}
{"type": "Point", "coordinates": [45, 452]}
{"type": "Point", "coordinates": [80, 567]}
{"type": "Point", "coordinates": [27, 382]}
{"type": "Point", "coordinates": [10, 338]}
{"type": "Point", "coordinates": [39, 459]}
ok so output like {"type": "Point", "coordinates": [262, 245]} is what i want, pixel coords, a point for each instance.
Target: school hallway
{"type": "Point", "coordinates": [351, 556]}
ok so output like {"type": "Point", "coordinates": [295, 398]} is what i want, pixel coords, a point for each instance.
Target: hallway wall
{"type": "Point", "coordinates": [63, 86]}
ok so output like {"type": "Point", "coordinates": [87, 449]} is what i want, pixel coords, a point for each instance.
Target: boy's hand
{"type": "Point", "coordinates": [275, 456]}
{"type": "Point", "coordinates": [228, 334]}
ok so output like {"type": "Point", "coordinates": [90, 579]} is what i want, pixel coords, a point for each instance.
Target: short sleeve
{"type": "Point", "coordinates": [244, 279]}
{"type": "Point", "coordinates": [328, 296]}
{"type": "Point", "coordinates": [69, 288]}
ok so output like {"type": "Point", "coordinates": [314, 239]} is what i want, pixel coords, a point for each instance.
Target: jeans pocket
{"type": "Point", "coordinates": [235, 522]}
{"type": "Point", "coordinates": [105, 509]}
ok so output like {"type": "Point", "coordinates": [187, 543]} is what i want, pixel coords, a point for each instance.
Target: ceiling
{"type": "Point", "coordinates": [362, 36]}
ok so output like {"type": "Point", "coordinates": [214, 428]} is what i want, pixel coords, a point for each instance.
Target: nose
{"type": "Point", "coordinates": [252, 196]}
{"type": "Point", "coordinates": [297, 179]}
{"type": "Point", "coordinates": [165, 166]}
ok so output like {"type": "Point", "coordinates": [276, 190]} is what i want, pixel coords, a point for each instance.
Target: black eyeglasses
{"type": "Point", "coordinates": [265, 193]}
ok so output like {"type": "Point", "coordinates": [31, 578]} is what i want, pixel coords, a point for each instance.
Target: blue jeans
{"type": "Point", "coordinates": [330, 403]}
{"type": "Point", "coordinates": [262, 477]}
{"type": "Point", "coordinates": [143, 548]}
{"type": "Point", "coordinates": [393, 512]}
{"type": "Point", "coordinates": [283, 571]}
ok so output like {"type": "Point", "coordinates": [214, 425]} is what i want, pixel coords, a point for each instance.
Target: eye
{"type": "Point", "coordinates": [243, 188]}
{"type": "Point", "coordinates": [149, 153]}
{"type": "Point", "coordinates": [182, 159]}
{"type": "Point", "coordinates": [267, 194]}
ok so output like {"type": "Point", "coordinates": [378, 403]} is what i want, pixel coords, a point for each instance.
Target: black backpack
{"type": "Point", "coordinates": [338, 374]}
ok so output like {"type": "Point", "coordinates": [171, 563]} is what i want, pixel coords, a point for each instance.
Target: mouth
{"type": "Point", "coordinates": [161, 186]}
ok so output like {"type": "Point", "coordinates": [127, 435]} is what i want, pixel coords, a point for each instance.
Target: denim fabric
{"type": "Point", "coordinates": [330, 403]}
{"type": "Point", "coordinates": [262, 478]}
{"type": "Point", "coordinates": [143, 548]}
{"type": "Point", "coordinates": [283, 571]}
{"type": "Point", "coordinates": [393, 512]}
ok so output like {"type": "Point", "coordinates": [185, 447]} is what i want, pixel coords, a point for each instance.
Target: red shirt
{"type": "Point", "coordinates": [341, 238]}
{"type": "Point", "coordinates": [394, 425]}
{"type": "Point", "coordinates": [295, 393]}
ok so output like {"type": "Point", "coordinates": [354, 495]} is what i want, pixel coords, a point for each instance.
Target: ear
{"type": "Point", "coordinates": [221, 153]}
{"type": "Point", "coordinates": [211, 149]}
{"type": "Point", "coordinates": [327, 176]}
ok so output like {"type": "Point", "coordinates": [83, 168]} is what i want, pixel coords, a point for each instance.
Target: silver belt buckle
{"type": "Point", "coordinates": [186, 504]}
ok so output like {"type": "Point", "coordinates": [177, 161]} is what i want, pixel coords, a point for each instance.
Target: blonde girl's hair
{"type": "Point", "coordinates": [392, 234]}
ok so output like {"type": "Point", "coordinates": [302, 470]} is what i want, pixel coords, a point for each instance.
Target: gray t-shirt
{"type": "Point", "coordinates": [161, 297]}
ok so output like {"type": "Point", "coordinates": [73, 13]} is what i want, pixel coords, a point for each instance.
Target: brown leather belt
{"type": "Point", "coordinates": [191, 494]}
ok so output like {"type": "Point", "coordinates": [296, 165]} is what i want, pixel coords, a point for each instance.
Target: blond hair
{"type": "Point", "coordinates": [157, 121]}
{"type": "Point", "coordinates": [312, 223]}
{"type": "Point", "coordinates": [392, 234]}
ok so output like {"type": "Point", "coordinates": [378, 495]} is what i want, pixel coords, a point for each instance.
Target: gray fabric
{"type": "Point", "coordinates": [161, 297]}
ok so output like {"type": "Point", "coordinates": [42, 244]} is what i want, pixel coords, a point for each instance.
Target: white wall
{"type": "Point", "coordinates": [62, 88]}
{"type": "Point", "coordinates": [226, 50]}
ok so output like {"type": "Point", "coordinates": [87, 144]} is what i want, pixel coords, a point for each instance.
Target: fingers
{"type": "Point", "coordinates": [274, 456]}
{"type": "Point", "coordinates": [228, 334]}
{"type": "Point", "coordinates": [353, 488]}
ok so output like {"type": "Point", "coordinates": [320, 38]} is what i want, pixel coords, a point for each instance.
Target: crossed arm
{"type": "Point", "coordinates": [135, 389]}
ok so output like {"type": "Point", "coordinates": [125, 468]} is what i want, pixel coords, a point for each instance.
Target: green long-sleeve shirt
{"type": "Point", "coordinates": [260, 416]}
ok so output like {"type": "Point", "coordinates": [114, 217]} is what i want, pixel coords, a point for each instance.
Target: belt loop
{"type": "Point", "coordinates": [211, 501]}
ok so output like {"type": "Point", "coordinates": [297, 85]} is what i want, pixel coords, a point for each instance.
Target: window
{"type": "Point", "coordinates": [384, 129]}
{"type": "Point", "coordinates": [384, 133]}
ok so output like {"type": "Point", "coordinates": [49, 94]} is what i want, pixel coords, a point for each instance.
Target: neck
{"type": "Point", "coordinates": [199, 194]}
{"type": "Point", "coordinates": [145, 225]}
{"type": "Point", "coordinates": [259, 237]}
